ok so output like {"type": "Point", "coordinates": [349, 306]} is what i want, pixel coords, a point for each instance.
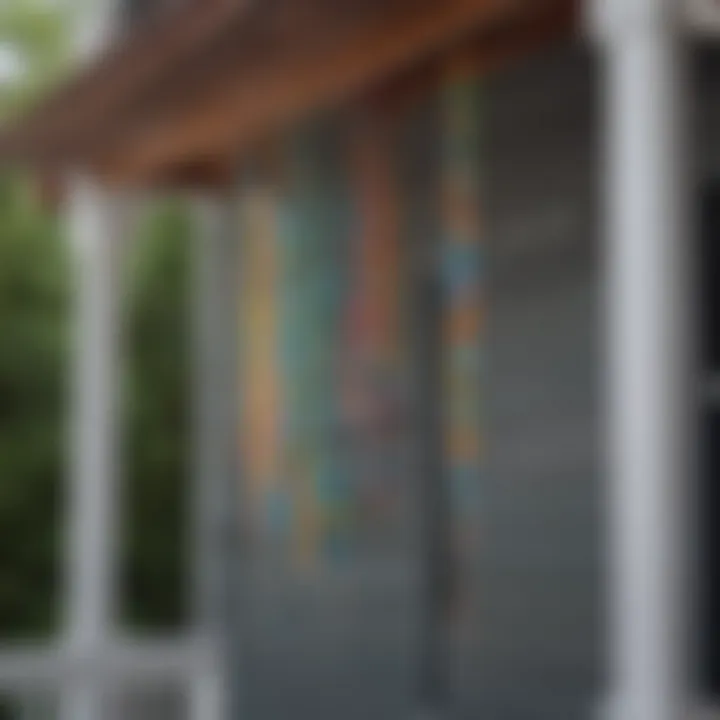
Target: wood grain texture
{"type": "Point", "coordinates": [209, 87]}
{"type": "Point", "coordinates": [322, 65]}
{"type": "Point", "coordinates": [137, 63]}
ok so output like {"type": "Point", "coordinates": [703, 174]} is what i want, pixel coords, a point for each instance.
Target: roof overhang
{"type": "Point", "coordinates": [183, 99]}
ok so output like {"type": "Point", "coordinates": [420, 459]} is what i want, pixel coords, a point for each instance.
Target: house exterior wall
{"type": "Point", "coordinates": [339, 637]}
{"type": "Point", "coordinates": [136, 12]}
{"type": "Point", "coordinates": [538, 649]}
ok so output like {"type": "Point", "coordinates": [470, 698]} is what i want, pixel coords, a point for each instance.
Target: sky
{"type": "Point", "coordinates": [10, 64]}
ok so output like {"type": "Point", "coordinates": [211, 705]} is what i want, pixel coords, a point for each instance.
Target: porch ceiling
{"type": "Point", "coordinates": [182, 99]}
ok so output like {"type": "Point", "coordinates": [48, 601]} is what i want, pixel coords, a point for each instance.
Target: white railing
{"type": "Point", "coordinates": [146, 663]}
{"type": "Point", "coordinates": [127, 665]}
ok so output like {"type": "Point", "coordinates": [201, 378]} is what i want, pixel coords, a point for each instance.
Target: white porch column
{"type": "Point", "coordinates": [95, 221]}
{"type": "Point", "coordinates": [97, 229]}
{"type": "Point", "coordinates": [651, 358]}
{"type": "Point", "coordinates": [217, 448]}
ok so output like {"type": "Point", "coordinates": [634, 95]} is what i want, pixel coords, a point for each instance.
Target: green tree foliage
{"type": "Point", "coordinates": [158, 423]}
{"type": "Point", "coordinates": [35, 323]}
{"type": "Point", "coordinates": [36, 34]}
{"type": "Point", "coordinates": [35, 294]}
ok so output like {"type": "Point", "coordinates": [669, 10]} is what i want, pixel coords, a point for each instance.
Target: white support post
{"type": "Point", "coordinates": [97, 227]}
{"type": "Point", "coordinates": [217, 439]}
{"type": "Point", "coordinates": [652, 378]}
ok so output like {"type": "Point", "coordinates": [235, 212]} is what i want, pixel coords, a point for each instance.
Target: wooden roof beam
{"type": "Point", "coordinates": [136, 62]}
{"type": "Point", "coordinates": [284, 85]}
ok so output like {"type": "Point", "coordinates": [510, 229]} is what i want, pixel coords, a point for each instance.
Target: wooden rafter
{"type": "Point", "coordinates": [181, 101]}
{"type": "Point", "coordinates": [135, 64]}
{"type": "Point", "coordinates": [326, 63]}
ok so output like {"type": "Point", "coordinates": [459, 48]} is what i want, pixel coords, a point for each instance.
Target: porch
{"type": "Point", "coordinates": [472, 137]}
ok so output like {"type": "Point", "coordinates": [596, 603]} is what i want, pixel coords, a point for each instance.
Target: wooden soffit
{"type": "Point", "coordinates": [187, 97]}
